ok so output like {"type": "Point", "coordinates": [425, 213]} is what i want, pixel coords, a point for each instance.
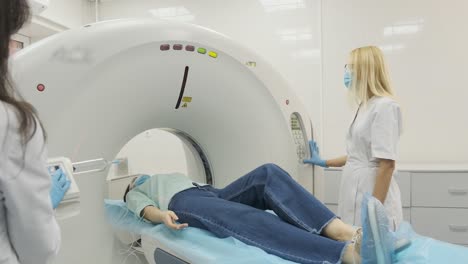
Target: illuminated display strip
{"type": "Point", "coordinates": [190, 48]}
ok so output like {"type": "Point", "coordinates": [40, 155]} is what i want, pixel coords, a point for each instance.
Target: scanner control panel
{"type": "Point", "coordinates": [299, 138]}
{"type": "Point", "coordinates": [67, 168]}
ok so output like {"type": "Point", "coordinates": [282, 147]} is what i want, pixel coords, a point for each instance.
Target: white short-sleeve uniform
{"type": "Point", "coordinates": [29, 232]}
{"type": "Point", "coordinates": [373, 135]}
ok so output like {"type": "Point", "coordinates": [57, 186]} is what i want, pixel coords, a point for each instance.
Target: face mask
{"type": "Point", "coordinates": [347, 79]}
{"type": "Point", "coordinates": [141, 180]}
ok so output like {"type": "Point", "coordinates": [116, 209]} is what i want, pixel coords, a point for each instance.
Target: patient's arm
{"type": "Point", "coordinates": [142, 205]}
{"type": "Point", "coordinates": [155, 215]}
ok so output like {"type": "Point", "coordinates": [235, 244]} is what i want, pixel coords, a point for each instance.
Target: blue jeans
{"type": "Point", "coordinates": [238, 210]}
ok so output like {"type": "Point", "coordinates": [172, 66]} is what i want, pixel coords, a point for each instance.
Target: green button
{"type": "Point", "coordinates": [201, 50]}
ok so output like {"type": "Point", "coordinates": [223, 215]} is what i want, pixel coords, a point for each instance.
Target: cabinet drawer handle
{"type": "Point", "coordinates": [458, 191]}
{"type": "Point", "coordinates": [458, 228]}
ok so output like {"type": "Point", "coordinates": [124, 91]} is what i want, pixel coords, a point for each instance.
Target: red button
{"type": "Point", "coordinates": [189, 48]}
{"type": "Point", "coordinates": [177, 47]}
{"type": "Point", "coordinates": [40, 87]}
{"type": "Point", "coordinates": [165, 47]}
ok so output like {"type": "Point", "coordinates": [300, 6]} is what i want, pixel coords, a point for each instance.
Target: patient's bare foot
{"type": "Point", "coordinates": [338, 230]}
{"type": "Point", "coordinates": [357, 240]}
{"type": "Point", "coordinates": [351, 256]}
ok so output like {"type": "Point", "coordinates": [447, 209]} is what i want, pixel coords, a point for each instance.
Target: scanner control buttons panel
{"type": "Point", "coordinates": [298, 137]}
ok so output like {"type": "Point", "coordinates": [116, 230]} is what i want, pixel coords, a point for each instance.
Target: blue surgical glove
{"type": "Point", "coordinates": [141, 180]}
{"type": "Point", "coordinates": [315, 155]}
{"type": "Point", "coordinates": [60, 186]}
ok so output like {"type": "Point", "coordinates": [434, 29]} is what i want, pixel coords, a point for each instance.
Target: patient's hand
{"type": "Point", "coordinates": [155, 215]}
{"type": "Point", "coordinates": [170, 218]}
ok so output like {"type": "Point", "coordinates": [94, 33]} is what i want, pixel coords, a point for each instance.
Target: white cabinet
{"type": "Point", "coordinates": [403, 179]}
{"type": "Point", "coordinates": [447, 224]}
{"type": "Point", "coordinates": [407, 214]}
{"type": "Point", "coordinates": [439, 201]}
{"type": "Point", "coordinates": [434, 201]}
{"type": "Point", "coordinates": [440, 189]}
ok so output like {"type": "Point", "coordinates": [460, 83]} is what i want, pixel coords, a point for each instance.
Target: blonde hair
{"type": "Point", "coordinates": [369, 74]}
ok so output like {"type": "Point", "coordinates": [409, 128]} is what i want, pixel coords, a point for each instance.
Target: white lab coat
{"type": "Point", "coordinates": [29, 232]}
{"type": "Point", "coordinates": [374, 134]}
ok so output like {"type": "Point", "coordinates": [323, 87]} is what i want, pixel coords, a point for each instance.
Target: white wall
{"type": "Point", "coordinates": [69, 13]}
{"type": "Point", "coordinates": [425, 44]}
{"type": "Point", "coordinates": [59, 16]}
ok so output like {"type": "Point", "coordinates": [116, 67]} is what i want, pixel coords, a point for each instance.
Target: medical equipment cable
{"type": "Point", "coordinates": [131, 250]}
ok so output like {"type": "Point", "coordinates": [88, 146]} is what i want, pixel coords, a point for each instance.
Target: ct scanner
{"type": "Point", "coordinates": [98, 86]}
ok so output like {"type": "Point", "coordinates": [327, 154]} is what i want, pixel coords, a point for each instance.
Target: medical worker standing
{"type": "Point", "coordinates": [372, 139]}
{"type": "Point", "coordinates": [29, 232]}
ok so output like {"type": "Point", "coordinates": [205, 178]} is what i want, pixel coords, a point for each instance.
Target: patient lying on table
{"type": "Point", "coordinates": [303, 231]}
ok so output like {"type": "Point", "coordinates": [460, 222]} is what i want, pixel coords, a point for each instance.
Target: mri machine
{"type": "Point", "coordinates": [98, 86]}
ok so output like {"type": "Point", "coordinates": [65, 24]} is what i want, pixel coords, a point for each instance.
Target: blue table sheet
{"type": "Point", "coordinates": [199, 246]}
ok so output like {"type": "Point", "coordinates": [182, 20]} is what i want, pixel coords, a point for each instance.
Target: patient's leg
{"type": "Point", "coordinates": [203, 208]}
{"type": "Point", "coordinates": [271, 188]}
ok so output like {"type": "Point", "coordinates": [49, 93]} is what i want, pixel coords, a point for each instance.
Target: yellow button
{"type": "Point", "coordinates": [213, 54]}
